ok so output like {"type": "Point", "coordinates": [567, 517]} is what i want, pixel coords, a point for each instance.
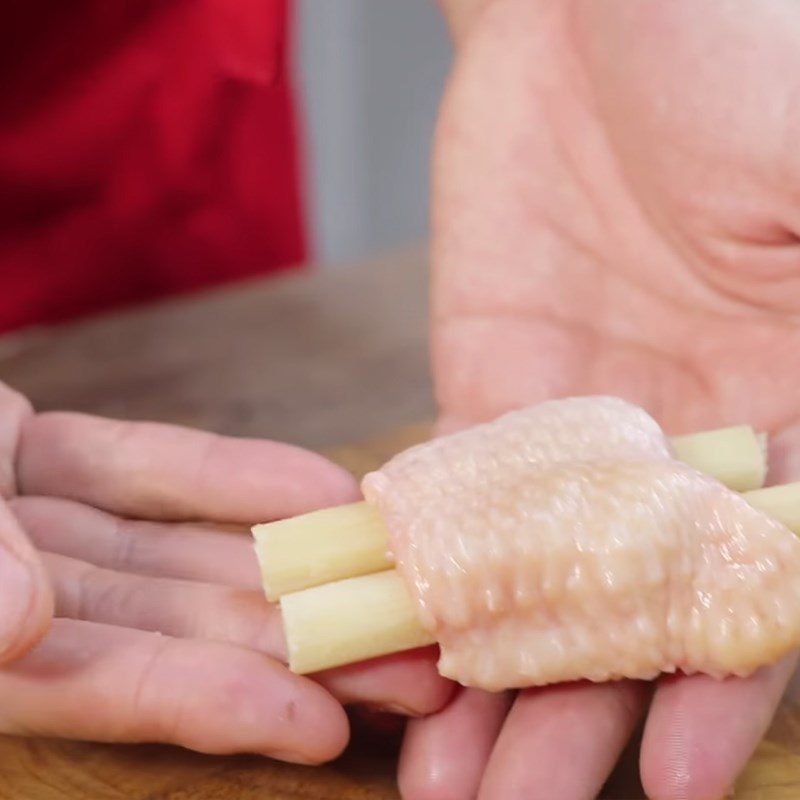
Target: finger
{"type": "Point", "coordinates": [700, 732]}
{"type": "Point", "coordinates": [177, 608]}
{"type": "Point", "coordinates": [26, 601]}
{"type": "Point", "coordinates": [190, 610]}
{"type": "Point", "coordinates": [444, 755]}
{"type": "Point", "coordinates": [155, 471]}
{"type": "Point", "coordinates": [783, 457]}
{"type": "Point", "coordinates": [15, 410]}
{"type": "Point", "coordinates": [89, 681]}
{"type": "Point", "coordinates": [404, 683]}
{"type": "Point", "coordinates": [188, 551]}
{"type": "Point", "coordinates": [563, 741]}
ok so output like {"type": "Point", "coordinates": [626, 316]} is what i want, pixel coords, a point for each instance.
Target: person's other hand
{"type": "Point", "coordinates": [161, 631]}
{"type": "Point", "coordinates": [26, 600]}
{"type": "Point", "coordinates": [616, 210]}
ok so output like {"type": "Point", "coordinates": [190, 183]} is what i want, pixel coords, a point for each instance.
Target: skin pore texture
{"type": "Point", "coordinates": [616, 210]}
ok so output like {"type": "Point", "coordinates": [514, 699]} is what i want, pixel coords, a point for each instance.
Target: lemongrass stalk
{"type": "Point", "coordinates": [349, 621]}
{"type": "Point", "coordinates": [782, 503]}
{"type": "Point", "coordinates": [734, 456]}
{"type": "Point", "coordinates": [320, 547]}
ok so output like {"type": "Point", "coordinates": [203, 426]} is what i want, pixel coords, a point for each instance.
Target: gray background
{"type": "Point", "coordinates": [370, 74]}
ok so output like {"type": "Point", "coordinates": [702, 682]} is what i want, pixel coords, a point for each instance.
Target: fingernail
{"type": "Point", "coordinates": [16, 589]}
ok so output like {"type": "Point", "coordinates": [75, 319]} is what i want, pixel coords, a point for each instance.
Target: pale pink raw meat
{"type": "Point", "coordinates": [564, 541]}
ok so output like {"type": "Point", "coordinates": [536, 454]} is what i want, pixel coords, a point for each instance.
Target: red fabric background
{"type": "Point", "coordinates": [146, 148]}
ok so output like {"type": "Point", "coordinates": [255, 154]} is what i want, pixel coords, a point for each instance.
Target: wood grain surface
{"type": "Point", "coordinates": [321, 361]}
{"type": "Point", "coordinates": [318, 359]}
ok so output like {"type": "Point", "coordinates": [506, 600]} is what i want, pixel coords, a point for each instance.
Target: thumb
{"type": "Point", "coordinates": [26, 600]}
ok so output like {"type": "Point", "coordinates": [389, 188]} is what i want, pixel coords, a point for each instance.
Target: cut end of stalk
{"type": "Point", "coordinates": [350, 620]}
{"type": "Point", "coordinates": [734, 456]}
{"type": "Point", "coordinates": [320, 547]}
{"type": "Point", "coordinates": [782, 503]}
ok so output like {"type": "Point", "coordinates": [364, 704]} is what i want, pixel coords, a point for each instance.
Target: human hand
{"type": "Point", "coordinates": [162, 632]}
{"type": "Point", "coordinates": [616, 210]}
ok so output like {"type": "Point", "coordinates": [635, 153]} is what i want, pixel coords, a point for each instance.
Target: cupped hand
{"type": "Point", "coordinates": [161, 630]}
{"type": "Point", "coordinates": [616, 210]}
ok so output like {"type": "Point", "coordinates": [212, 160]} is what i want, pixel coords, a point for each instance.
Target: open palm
{"type": "Point", "coordinates": [617, 210]}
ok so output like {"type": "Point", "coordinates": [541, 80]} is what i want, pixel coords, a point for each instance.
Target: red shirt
{"type": "Point", "coordinates": [146, 147]}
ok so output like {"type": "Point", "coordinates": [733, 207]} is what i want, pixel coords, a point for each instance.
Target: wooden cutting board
{"type": "Point", "coordinates": [32, 769]}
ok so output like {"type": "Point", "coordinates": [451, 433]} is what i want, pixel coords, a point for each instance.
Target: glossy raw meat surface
{"type": "Point", "coordinates": [565, 542]}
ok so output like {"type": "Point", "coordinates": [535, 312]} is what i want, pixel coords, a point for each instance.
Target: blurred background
{"type": "Point", "coordinates": [370, 75]}
{"type": "Point", "coordinates": [150, 149]}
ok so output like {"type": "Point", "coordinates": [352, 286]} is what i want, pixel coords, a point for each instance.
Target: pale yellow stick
{"type": "Point", "coordinates": [358, 618]}
{"type": "Point", "coordinates": [321, 547]}
{"type": "Point", "coordinates": [350, 620]}
{"type": "Point", "coordinates": [779, 502]}
{"type": "Point", "coordinates": [324, 546]}
{"type": "Point", "coordinates": [734, 456]}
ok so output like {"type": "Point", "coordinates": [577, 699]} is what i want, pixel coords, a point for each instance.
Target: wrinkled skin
{"type": "Point", "coordinates": [616, 210]}
{"type": "Point", "coordinates": [96, 523]}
